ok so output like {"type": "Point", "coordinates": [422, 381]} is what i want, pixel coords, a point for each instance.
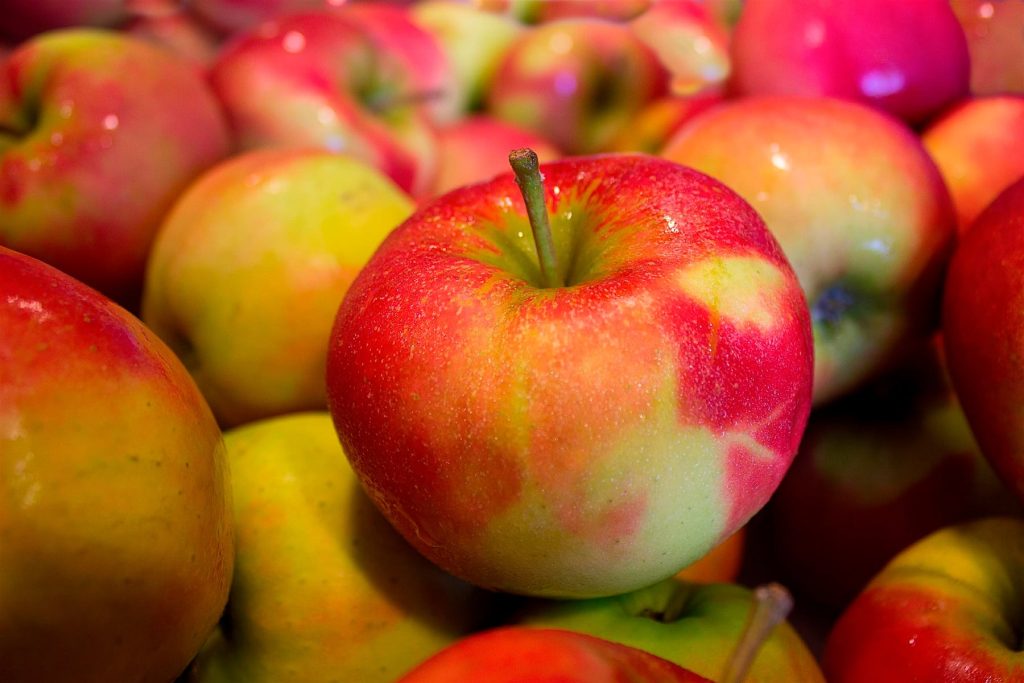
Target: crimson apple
{"type": "Point", "coordinates": [909, 59]}
{"type": "Point", "coordinates": [994, 30]}
{"type": "Point", "coordinates": [99, 133]}
{"type": "Point", "coordinates": [22, 19]}
{"type": "Point", "coordinates": [579, 425]}
{"type": "Point", "coordinates": [984, 332]}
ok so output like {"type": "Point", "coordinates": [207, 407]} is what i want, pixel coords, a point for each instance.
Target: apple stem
{"type": "Point", "coordinates": [526, 166]}
{"type": "Point", "coordinates": [772, 604]}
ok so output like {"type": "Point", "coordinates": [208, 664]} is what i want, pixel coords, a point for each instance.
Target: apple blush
{"type": "Point", "coordinates": [585, 422]}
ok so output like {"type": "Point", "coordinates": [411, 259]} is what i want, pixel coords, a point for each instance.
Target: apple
{"type": "Point", "coordinates": [234, 16]}
{"type": "Point", "coordinates": [655, 124]}
{"type": "Point", "coordinates": [177, 31]}
{"type": "Point", "coordinates": [983, 331]}
{"type": "Point", "coordinates": [694, 625]}
{"type": "Point", "coordinates": [324, 589]}
{"type": "Point", "coordinates": [994, 29]}
{"type": "Point", "coordinates": [859, 208]}
{"type": "Point", "coordinates": [517, 654]}
{"type": "Point", "coordinates": [115, 519]}
{"type": "Point", "coordinates": [473, 40]}
{"type": "Point", "coordinates": [908, 59]}
{"type": "Point", "coordinates": [576, 82]}
{"type": "Point", "coordinates": [231, 300]}
{"type": "Point", "coordinates": [721, 564]}
{"type": "Point", "coordinates": [876, 472]}
{"type": "Point", "coordinates": [541, 11]}
{"type": "Point", "coordinates": [318, 79]}
{"type": "Point", "coordinates": [476, 149]}
{"type": "Point", "coordinates": [945, 609]}
{"type": "Point", "coordinates": [588, 421]}
{"type": "Point", "coordinates": [975, 147]}
{"type": "Point", "coordinates": [22, 19]}
{"type": "Point", "coordinates": [99, 133]}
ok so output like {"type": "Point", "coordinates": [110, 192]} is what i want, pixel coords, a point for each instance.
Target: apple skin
{"type": "Point", "coordinates": [908, 59]}
{"type": "Point", "coordinates": [859, 208]}
{"type": "Point", "coordinates": [993, 29]}
{"type": "Point", "coordinates": [22, 19]}
{"type": "Point", "coordinates": [721, 564]}
{"type": "Point", "coordinates": [516, 654]}
{"type": "Point", "coordinates": [945, 609]}
{"type": "Point", "coordinates": [974, 146]}
{"type": "Point", "coordinates": [234, 16]}
{"type": "Point", "coordinates": [655, 124]}
{"type": "Point", "coordinates": [694, 625]}
{"type": "Point", "coordinates": [319, 79]}
{"type": "Point", "coordinates": [179, 32]}
{"type": "Point", "coordinates": [312, 219]}
{"type": "Point", "coordinates": [113, 113]}
{"type": "Point", "coordinates": [576, 82]}
{"type": "Point", "coordinates": [983, 330]}
{"type": "Point", "coordinates": [115, 518]}
{"type": "Point", "coordinates": [324, 589]}
{"type": "Point", "coordinates": [494, 421]}
{"type": "Point", "coordinates": [476, 149]}
{"type": "Point", "coordinates": [876, 472]}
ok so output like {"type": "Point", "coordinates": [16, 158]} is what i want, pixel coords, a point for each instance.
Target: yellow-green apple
{"type": "Point", "coordinates": [541, 11]}
{"type": "Point", "coordinates": [476, 149]}
{"type": "Point", "coordinates": [994, 30]}
{"type": "Point", "coordinates": [585, 422]}
{"type": "Point", "coordinates": [115, 518]}
{"type": "Point", "coordinates": [983, 331]}
{"type": "Point", "coordinates": [576, 82]}
{"type": "Point", "coordinates": [99, 133]}
{"type": "Point", "coordinates": [694, 625]}
{"type": "Point", "coordinates": [324, 589]}
{"type": "Point", "coordinates": [22, 19]}
{"type": "Point", "coordinates": [690, 40]}
{"type": "Point", "coordinates": [876, 472]}
{"type": "Point", "coordinates": [655, 124]}
{"type": "Point", "coordinates": [945, 609]}
{"type": "Point", "coordinates": [976, 148]}
{"type": "Point", "coordinates": [515, 654]}
{"type": "Point", "coordinates": [319, 79]}
{"type": "Point", "coordinates": [859, 208]}
{"type": "Point", "coordinates": [474, 41]}
{"type": "Point", "coordinates": [909, 59]}
{"type": "Point", "coordinates": [230, 300]}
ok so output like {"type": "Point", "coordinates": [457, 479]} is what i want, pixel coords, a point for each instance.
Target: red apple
{"type": "Point", "coordinates": [320, 79]}
{"type": "Point", "coordinates": [115, 511]}
{"type": "Point", "coordinates": [233, 16]}
{"type": "Point", "coordinates": [22, 19]}
{"type": "Point", "coordinates": [907, 58]}
{"type": "Point", "coordinates": [859, 208]}
{"type": "Point", "coordinates": [579, 425]}
{"type": "Point", "coordinates": [995, 41]}
{"type": "Point", "coordinates": [984, 331]}
{"type": "Point", "coordinates": [178, 32]}
{"type": "Point", "coordinates": [99, 133]}
{"type": "Point", "coordinates": [977, 147]}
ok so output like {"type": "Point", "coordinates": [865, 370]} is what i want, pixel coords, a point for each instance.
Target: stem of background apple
{"type": "Point", "coordinates": [772, 603]}
{"type": "Point", "coordinates": [526, 166]}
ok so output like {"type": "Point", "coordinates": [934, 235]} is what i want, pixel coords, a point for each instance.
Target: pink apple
{"type": "Point", "coordinates": [977, 147]}
{"type": "Point", "coordinates": [577, 82]}
{"type": "Point", "coordinates": [99, 133]}
{"type": "Point", "coordinates": [319, 79]}
{"type": "Point", "coordinates": [984, 331]}
{"type": "Point", "coordinates": [907, 58]}
{"type": "Point", "coordinates": [476, 149]}
{"type": "Point", "coordinates": [583, 425]}
{"type": "Point", "coordinates": [995, 41]}
{"type": "Point", "coordinates": [22, 19]}
{"type": "Point", "coordinates": [858, 206]}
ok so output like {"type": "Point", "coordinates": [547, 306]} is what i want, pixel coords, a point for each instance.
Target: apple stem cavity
{"type": "Point", "coordinates": [772, 604]}
{"type": "Point", "coordinates": [526, 166]}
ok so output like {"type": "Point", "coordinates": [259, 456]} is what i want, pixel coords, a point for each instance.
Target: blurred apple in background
{"type": "Point", "coordinates": [541, 11]}
{"type": "Point", "coordinates": [576, 82]}
{"type": "Point", "coordinates": [320, 79]}
{"type": "Point", "coordinates": [909, 59]}
{"type": "Point", "coordinates": [324, 589]}
{"type": "Point", "coordinates": [983, 326]}
{"type": "Point", "coordinates": [721, 564]}
{"type": "Point", "coordinates": [878, 471]}
{"type": "Point", "coordinates": [995, 41]}
{"type": "Point", "coordinates": [99, 133]}
{"type": "Point", "coordinates": [248, 270]}
{"type": "Point", "coordinates": [473, 40]}
{"type": "Point", "coordinates": [234, 16]}
{"type": "Point", "coordinates": [476, 149]}
{"type": "Point", "coordinates": [945, 609]}
{"type": "Point", "coordinates": [655, 124]}
{"type": "Point", "coordinates": [115, 518]}
{"type": "Point", "coordinates": [22, 19]}
{"type": "Point", "coordinates": [977, 148]}
{"type": "Point", "coordinates": [586, 434]}
{"type": "Point", "coordinates": [177, 31]}
{"type": "Point", "coordinates": [859, 208]}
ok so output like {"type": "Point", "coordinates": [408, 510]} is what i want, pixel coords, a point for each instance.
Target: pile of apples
{"type": "Point", "coordinates": [511, 340]}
